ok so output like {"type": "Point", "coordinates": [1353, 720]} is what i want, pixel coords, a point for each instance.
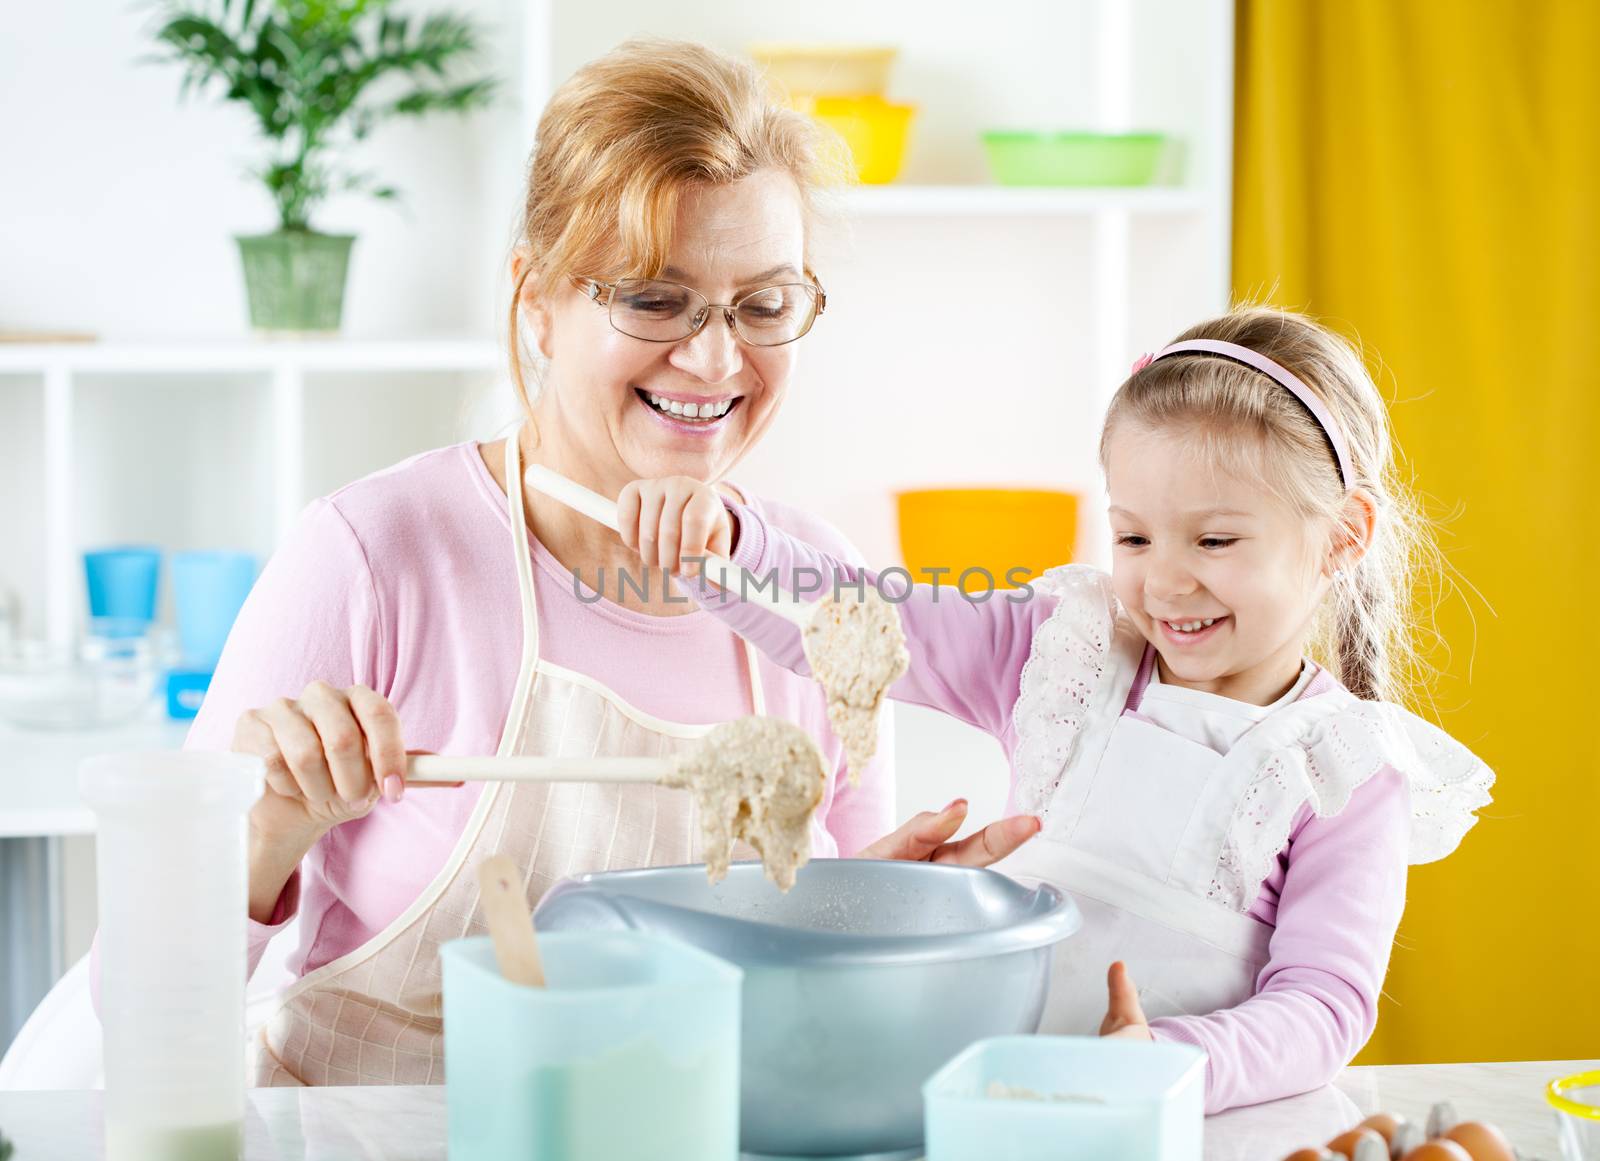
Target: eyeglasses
{"type": "Point", "coordinates": [669, 312]}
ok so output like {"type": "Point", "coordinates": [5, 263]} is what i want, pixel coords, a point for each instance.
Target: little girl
{"type": "Point", "coordinates": [1233, 818]}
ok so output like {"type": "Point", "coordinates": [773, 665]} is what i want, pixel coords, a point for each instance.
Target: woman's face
{"type": "Point", "coordinates": [596, 416]}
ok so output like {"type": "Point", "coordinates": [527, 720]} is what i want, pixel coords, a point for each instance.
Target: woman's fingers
{"type": "Point", "coordinates": [991, 844]}
{"type": "Point", "coordinates": [705, 522]}
{"type": "Point", "coordinates": [301, 747]}
{"type": "Point", "coordinates": [344, 746]}
{"type": "Point", "coordinates": [386, 749]}
{"type": "Point", "coordinates": [253, 735]}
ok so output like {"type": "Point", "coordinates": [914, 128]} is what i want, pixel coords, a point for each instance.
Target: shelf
{"type": "Point", "coordinates": [312, 355]}
{"type": "Point", "coordinates": [1004, 201]}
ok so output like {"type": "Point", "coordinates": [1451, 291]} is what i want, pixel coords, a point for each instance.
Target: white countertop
{"type": "Point", "coordinates": [408, 1124]}
{"type": "Point", "coordinates": [39, 772]}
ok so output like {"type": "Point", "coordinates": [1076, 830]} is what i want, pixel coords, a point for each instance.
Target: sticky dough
{"type": "Point", "coordinates": [857, 650]}
{"type": "Point", "coordinates": [760, 780]}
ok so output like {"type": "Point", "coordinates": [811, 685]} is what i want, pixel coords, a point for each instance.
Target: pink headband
{"type": "Point", "coordinates": [1273, 371]}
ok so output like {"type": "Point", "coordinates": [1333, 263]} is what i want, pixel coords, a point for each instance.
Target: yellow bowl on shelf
{"type": "Point", "coordinates": [875, 130]}
{"type": "Point", "coordinates": [1010, 534]}
{"type": "Point", "coordinates": [804, 70]}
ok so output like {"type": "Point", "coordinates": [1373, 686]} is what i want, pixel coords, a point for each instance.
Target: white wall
{"type": "Point", "coordinates": [118, 205]}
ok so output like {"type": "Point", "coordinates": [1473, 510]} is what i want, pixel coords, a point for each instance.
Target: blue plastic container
{"type": "Point", "coordinates": [631, 1051]}
{"type": "Point", "coordinates": [208, 590]}
{"type": "Point", "coordinates": [1067, 1098]}
{"type": "Point", "coordinates": [122, 583]}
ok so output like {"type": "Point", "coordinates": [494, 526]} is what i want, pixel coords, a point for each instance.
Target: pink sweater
{"type": "Point", "coordinates": [1334, 898]}
{"type": "Point", "coordinates": [404, 582]}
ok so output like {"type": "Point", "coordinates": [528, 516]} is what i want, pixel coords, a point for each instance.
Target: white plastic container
{"type": "Point", "coordinates": [1067, 1098]}
{"type": "Point", "coordinates": [171, 867]}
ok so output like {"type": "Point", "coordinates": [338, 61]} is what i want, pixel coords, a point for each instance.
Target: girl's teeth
{"type": "Point", "coordinates": [1192, 626]}
{"type": "Point", "coordinates": [690, 410]}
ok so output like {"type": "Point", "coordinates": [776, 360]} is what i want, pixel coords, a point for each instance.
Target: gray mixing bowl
{"type": "Point", "coordinates": [859, 983]}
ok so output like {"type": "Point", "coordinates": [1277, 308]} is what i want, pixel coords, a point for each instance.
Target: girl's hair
{"type": "Point", "coordinates": [1247, 423]}
{"type": "Point", "coordinates": [622, 141]}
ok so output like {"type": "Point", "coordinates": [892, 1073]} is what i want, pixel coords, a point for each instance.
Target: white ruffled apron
{"type": "Point", "coordinates": [374, 1016]}
{"type": "Point", "coordinates": [1163, 842]}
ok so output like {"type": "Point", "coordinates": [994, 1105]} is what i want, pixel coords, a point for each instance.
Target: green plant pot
{"type": "Point", "coordinates": [1073, 158]}
{"type": "Point", "coordinates": [295, 279]}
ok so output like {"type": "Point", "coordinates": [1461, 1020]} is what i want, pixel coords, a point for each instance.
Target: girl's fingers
{"type": "Point", "coordinates": [344, 746]}
{"type": "Point", "coordinates": [920, 837]}
{"type": "Point", "coordinates": [991, 844]}
{"type": "Point", "coordinates": [651, 501]}
{"type": "Point", "coordinates": [669, 538]}
{"type": "Point", "coordinates": [1123, 1008]}
{"type": "Point", "coordinates": [628, 505]}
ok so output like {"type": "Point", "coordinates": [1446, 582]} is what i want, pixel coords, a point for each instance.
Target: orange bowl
{"type": "Point", "coordinates": [1009, 534]}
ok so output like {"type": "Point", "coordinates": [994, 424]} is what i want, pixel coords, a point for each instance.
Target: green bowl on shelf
{"type": "Point", "coordinates": [1027, 158]}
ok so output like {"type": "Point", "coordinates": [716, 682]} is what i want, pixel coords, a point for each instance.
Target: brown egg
{"type": "Point", "coordinates": [1309, 1155]}
{"type": "Point", "coordinates": [1482, 1140]}
{"type": "Point", "coordinates": [1384, 1124]}
{"type": "Point", "coordinates": [1439, 1149]}
{"type": "Point", "coordinates": [1345, 1143]}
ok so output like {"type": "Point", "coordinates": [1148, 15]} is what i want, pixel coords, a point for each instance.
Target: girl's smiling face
{"type": "Point", "coordinates": [1222, 577]}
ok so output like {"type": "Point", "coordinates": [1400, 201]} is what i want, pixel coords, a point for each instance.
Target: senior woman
{"type": "Point", "coordinates": [662, 273]}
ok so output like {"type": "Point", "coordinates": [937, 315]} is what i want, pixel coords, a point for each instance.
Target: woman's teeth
{"type": "Point", "coordinates": [1191, 626]}
{"type": "Point", "coordinates": [699, 411]}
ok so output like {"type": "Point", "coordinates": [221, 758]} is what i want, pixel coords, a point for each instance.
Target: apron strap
{"type": "Point", "coordinates": [527, 670]}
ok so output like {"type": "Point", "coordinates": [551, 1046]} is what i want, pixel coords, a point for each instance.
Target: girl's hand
{"type": "Point", "coordinates": [1124, 1018]}
{"type": "Point", "coordinates": [669, 519]}
{"type": "Point", "coordinates": [926, 839]}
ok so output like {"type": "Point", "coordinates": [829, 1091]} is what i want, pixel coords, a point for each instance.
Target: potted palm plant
{"type": "Point", "coordinates": [318, 75]}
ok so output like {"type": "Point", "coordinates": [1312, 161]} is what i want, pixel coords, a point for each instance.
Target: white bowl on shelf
{"type": "Point", "coordinates": [107, 678]}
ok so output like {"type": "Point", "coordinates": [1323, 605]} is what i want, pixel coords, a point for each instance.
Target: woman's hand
{"type": "Point", "coordinates": [926, 839]}
{"type": "Point", "coordinates": [1124, 1017]}
{"type": "Point", "coordinates": [673, 518]}
{"type": "Point", "coordinates": [330, 755]}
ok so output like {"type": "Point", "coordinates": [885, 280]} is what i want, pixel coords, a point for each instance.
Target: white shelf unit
{"type": "Point", "coordinates": [206, 444]}
{"type": "Point", "coordinates": [1046, 293]}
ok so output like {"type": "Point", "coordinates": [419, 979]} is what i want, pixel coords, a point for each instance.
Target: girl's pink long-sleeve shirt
{"type": "Point", "coordinates": [1334, 897]}
{"type": "Point", "coordinates": [404, 582]}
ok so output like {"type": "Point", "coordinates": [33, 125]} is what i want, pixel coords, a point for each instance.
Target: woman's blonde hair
{"type": "Point", "coordinates": [622, 141]}
{"type": "Point", "coordinates": [1247, 423]}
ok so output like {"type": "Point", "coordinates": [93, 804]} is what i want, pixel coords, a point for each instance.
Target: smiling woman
{"type": "Point", "coordinates": [662, 274]}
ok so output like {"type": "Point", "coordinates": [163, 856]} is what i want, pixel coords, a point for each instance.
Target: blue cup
{"type": "Point", "coordinates": [631, 1051]}
{"type": "Point", "coordinates": [208, 590]}
{"type": "Point", "coordinates": [122, 584]}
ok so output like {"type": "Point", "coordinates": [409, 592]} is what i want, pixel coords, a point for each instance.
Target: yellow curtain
{"type": "Point", "coordinates": [1425, 175]}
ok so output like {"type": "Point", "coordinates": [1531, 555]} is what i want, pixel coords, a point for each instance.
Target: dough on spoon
{"type": "Point", "coordinates": [857, 650]}
{"type": "Point", "coordinates": [760, 780]}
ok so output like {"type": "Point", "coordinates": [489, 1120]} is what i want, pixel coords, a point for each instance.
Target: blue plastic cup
{"type": "Point", "coordinates": [122, 584]}
{"type": "Point", "coordinates": [208, 590]}
{"type": "Point", "coordinates": [631, 1051]}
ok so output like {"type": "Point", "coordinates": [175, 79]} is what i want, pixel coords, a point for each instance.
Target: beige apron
{"type": "Point", "coordinates": [374, 1016]}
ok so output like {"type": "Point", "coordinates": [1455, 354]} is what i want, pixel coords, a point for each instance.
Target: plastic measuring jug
{"type": "Point", "coordinates": [172, 875]}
